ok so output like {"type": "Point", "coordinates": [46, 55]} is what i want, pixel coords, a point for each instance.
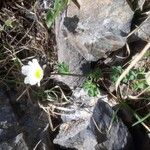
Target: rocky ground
{"type": "Point", "coordinates": [86, 36]}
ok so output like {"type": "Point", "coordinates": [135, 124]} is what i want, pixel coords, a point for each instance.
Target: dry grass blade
{"type": "Point", "coordinates": [132, 64]}
{"type": "Point", "coordinates": [61, 108]}
{"type": "Point", "coordinates": [49, 112]}
{"type": "Point", "coordinates": [78, 3]}
{"type": "Point", "coordinates": [37, 145]}
{"type": "Point", "coordinates": [144, 125]}
{"type": "Point", "coordinates": [97, 126]}
{"type": "Point", "coordinates": [141, 4]}
{"type": "Point", "coordinates": [128, 52]}
{"type": "Point", "coordinates": [137, 96]}
{"type": "Point", "coordinates": [22, 93]}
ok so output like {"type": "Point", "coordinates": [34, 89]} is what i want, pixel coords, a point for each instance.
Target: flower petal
{"type": "Point", "coordinates": [38, 83]}
{"type": "Point", "coordinates": [25, 69]}
{"type": "Point", "coordinates": [34, 61]}
{"type": "Point", "coordinates": [27, 80]}
{"type": "Point", "coordinates": [30, 63]}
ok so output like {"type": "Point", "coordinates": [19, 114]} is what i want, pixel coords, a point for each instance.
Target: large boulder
{"type": "Point", "coordinates": [9, 126]}
{"type": "Point", "coordinates": [10, 132]}
{"type": "Point", "coordinates": [110, 133]}
{"type": "Point", "coordinates": [95, 30]}
{"type": "Point", "coordinates": [23, 125]}
{"type": "Point", "coordinates": [74, 131]}
{"type": "Point", "coordinates": [33, 122]}
{"type": "Point", "coordinates": [17, 143]}
{"type": "Point", "coordinates": [88, 126]}
{"type": "Point", "coordinates": [77, 65]}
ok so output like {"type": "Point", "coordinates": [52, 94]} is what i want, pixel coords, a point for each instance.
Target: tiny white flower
{"type": "Point", "coordinates": [33, 72]}
{"type": "Point", "coordinates": [147, 77]}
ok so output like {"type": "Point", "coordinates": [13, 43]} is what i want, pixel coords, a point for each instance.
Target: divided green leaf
{"type": "Point", "coordinates": [91, 88]}
{"type": "Point", "coordinates": [51, 15]}
{"type": "Point", "coordinates": [135, 78]}
{"type": "Point", "coordinates": [63, 68]}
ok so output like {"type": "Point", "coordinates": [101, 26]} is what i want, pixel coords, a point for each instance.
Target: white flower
{"type": "Point", "coordinates": [33, 72]}
{"type": "Point", "coordinates": [147, 77]}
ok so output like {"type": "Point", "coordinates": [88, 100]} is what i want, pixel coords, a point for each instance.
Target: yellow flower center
{"type": "Point", "coordinates": [38, 73]}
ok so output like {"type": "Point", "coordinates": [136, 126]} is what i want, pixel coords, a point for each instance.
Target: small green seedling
{"type": "Point", "coordinates": [63, 68]}
{"type": "Point", "coordinates": [91, 88]}
{"type": "Point", "coordinates": [90, 85]}
{"type": "Point", "coordinates": [95, 75]}
{"type": "Point", "coordinates": [51, 15]}
{"type": "Point", "coordinates": [115, 73]}
{"type": "Point", "coordinates": [135, 78]}
{"type": "Point", "coordinates": [8, 23]}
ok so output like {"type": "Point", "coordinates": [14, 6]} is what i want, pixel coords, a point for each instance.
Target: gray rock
{"type": "Point", "coordinates": [77, 65]}
{"type": "Point", "coordinates": [17, 143]}
{"type": "Point", "coordinates": [74, 131]}
{"type": "Point", "coordinates": [87, 127]}
{"type": "Point", "coordinates": [31, 121]}
{"type": "Point", "coordinates": [96, 29]}
{"type": "Point", "coordinates": [75, 134]}
{"type": "Point", "coordinates": [34, 124]}
{"type": "Point", "coordinates": [9, 126]}
{"type": "Point", "coordinates": [10, 138]}
{"type": "Point", "coordinates": [144, 30]}
{"type": "Point", "coordinates": [110, 135]}
{"type": "Point", "coordinates": [70, 56]}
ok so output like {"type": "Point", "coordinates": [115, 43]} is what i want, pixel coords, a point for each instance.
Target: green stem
{"type": "Point", "coordinates": [69, 74]}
